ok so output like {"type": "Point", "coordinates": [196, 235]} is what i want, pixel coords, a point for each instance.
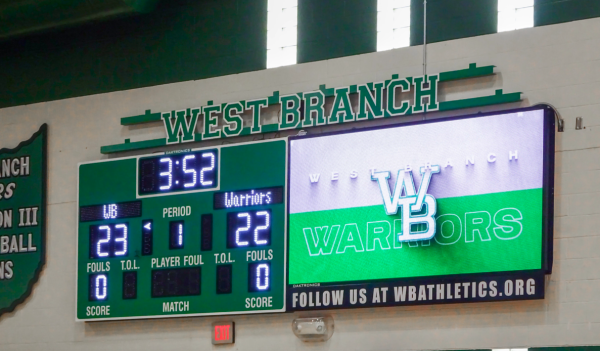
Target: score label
{"type": "Point", "coordinates": [194, 233]}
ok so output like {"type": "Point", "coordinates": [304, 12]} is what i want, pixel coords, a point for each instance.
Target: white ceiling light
{"type": "Point", "coordinates": [393, 24]}
{"type": "Point", "coordinates": [282, 32]}
{"type": "Point", "coordinates": [514, 14]}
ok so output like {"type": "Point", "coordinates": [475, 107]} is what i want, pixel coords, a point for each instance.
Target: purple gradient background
{"type": "Point", "coordinates": [392, 148]}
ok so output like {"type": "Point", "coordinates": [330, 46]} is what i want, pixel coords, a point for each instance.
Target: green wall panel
{"type": "Point", "coordinates": [558, 11]}
{"type": "Point", "coordinates": [195, 39]}
{"type": "Point", "coordinates": [181, 40]}
{"type": "Point", "coordinates": [452, 19]}
{"type": "Point", "coordinates": [336, 28]}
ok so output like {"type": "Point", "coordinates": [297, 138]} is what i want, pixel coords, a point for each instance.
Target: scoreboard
{"type": "Point", "coordinates": [191, 232]}
{"type": "Point", "coordinates": [360, 218]}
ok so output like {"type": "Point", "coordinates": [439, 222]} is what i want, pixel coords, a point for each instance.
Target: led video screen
{"type": "Point", "coordinates": [457, 198]}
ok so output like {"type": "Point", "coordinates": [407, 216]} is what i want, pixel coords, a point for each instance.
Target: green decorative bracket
{"type": "Point", "coordinates": [472, 72]}
{"type": "Point", "coordinates": [145, 118]}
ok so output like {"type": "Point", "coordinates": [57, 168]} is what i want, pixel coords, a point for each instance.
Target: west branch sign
{"type": "Point", "coordinates": [180, 125]}
{"type": "Point", "coordinates": [308, 109]}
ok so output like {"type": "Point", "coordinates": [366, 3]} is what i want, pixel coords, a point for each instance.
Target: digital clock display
{"type": "Point", "coordinates": [180, 172]}
{"type": "Point", "coordinates": [193, 233]}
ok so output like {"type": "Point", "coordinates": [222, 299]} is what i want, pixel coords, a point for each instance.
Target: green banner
{"type": "Point", "coordinates": [22, 218]}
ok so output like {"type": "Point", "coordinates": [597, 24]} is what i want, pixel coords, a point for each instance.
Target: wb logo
{"type": "Point", "coordinates": [418, 209]}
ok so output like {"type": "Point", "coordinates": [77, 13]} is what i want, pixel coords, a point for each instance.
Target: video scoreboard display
{"type": "Point", "coordinates": [443, 211]}
{"type": "Point", "coordinates": [195, 232]}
